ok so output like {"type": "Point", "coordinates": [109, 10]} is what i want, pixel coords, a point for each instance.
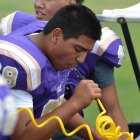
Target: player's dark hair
{"type": "Point", "coordinates": [80, 1]}
{"type": "Point", "coordinates": [75, 20]}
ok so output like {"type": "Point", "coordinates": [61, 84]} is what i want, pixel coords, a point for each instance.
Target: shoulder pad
{"type": "Point", "coordinates": [110, 48]}
{"type": "Point", "coordinates": [14, 21]}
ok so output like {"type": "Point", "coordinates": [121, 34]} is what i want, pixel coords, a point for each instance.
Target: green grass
{"type": "Point", "coordinates": [8, 6]}
{"type": "Point", "coordinates": [128, 92]}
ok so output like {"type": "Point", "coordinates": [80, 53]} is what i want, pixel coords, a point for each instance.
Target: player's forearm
{"type": "Point", "coordinates": [27, 130]}
{"type": "Point", "coordinates": [111, 103]}
{"type": "Point", "coordinates": [120, 120]}
{"type": "Point", "coordinates": [76, 121]}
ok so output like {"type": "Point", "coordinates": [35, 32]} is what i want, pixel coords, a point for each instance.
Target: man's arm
{"type": "Point", "coordinates": [104, 76]}
{"type": "Point", "coordinates": [25, 129]}
{"type": "Point", "coordinates": [113, 107]}
{"type": "Point", "coordinates": [78, 120]}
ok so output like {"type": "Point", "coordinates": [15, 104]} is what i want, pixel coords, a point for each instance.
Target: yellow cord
{"type": "Point", "coordinates": [104, 125]}
{"type": "Point", "coordinates": [107, 128]}
{"type": "Point", "coordinates": [60, 123]}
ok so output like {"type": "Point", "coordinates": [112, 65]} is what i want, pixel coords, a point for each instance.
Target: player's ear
{"type": "Point", "coordinates": [57, 35]}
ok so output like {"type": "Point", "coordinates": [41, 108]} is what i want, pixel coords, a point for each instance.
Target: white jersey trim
{"type": "Point", "coordinates": [6, 24]}
{"type": "Point", "coordinates": [22, 98]}
{"type": "Point", "coordinates": [108, 36]}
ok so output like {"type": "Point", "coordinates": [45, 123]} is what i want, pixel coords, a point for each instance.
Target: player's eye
{"type": "Point", "coordinates": [78, 49]}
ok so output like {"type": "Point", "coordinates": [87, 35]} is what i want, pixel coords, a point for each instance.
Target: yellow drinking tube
{"type": "Point", "coordinates": [104, 125]}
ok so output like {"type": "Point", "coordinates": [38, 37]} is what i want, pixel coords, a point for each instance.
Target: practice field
{"type": "Point", "coordinates": [127, 88]}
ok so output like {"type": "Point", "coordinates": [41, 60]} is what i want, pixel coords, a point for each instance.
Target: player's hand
{"type": "Point", "coordinates": [86, 91]}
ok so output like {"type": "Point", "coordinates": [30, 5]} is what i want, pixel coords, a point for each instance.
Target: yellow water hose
{"type": "Point", "coordinates": [107, 128]}
{"type": "Point", "coordinates": [104, 125]}
{"type": "Point", "coordinates": [60, 123]}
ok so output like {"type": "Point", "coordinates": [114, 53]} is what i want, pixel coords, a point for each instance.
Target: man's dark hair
{"type": "Point", "coordinates": [74, 21]}
{"type": "Point", "coordinates": [79, 1]}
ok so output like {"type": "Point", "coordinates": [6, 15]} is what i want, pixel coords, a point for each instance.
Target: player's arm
{"type": "Point", "coordinates": [112, 55]}
{"type": "Point", "coordinates": [109, 94]}
{"type": "Point", "coordinates": [78, 120]}
{"type": "Point", "coordinates": [113, 107]}
{"type": "Point", "coordinates": [26, 130]}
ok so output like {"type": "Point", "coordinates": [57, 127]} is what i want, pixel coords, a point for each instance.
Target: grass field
{"type": "Point", "coordinates": [128, 92]}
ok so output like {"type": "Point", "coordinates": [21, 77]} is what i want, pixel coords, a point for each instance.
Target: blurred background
{"type": "Point", "coordinates": [127, 87]}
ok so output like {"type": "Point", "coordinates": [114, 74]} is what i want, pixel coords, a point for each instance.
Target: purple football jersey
{"type": "Point", "coordinates": [30, 28]}
{"type": "Point", "coordinates": [14, 21]}
{"type": "Point", "coordinates": [8, 114]}
{"type": "Point", "coordinates": [20, 19]}
{"type": "Point", "coordinates": [32, 71]}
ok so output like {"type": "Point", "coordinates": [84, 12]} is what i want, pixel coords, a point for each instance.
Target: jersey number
{"type": "Point", "coordinates": [10, 74]}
